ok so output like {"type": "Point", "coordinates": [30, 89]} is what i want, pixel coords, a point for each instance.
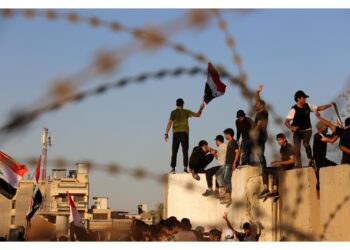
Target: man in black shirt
{"type": "Point", "coordinates": [287, 162]}
{"type": "Point", "coordinates": [261, 121]}
{"type": "Point", "coordinates": [299, 115]}
{"type": "Point", "coordinates": [200, 159]}
{"type": "Point", "coordinates": [344, 143]}
{"type": "Point", "coordinates": [231, 162]}
{"type": "Point", "coordinates": [321, 138]}
{"type": "Point", "coordinates": [244, 126]}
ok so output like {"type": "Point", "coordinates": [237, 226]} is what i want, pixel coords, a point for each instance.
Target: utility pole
{"type": "Point", "coordinates": [45, 142]}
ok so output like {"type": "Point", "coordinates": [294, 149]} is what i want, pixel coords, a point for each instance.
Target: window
{"type": "Point", "coordinates": [100, 216]}
{"type": "Point", "coordinates": [12, 220]}
{"type": "Point", "coordinates": [13, 204]}
{"type": "Point", "coordinates": [79, 198]}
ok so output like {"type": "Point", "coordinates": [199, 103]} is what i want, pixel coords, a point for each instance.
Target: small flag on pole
{"type": "Point", "coordinates": [11, 172]}
{"type": "Point", "coordinates": [74, 215]}
{"type": "Point", "coordinates": [213, 87]}
{"type": "Point", "coordinates": [37, 197]}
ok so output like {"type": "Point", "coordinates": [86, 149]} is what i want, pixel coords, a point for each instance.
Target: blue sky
{"type": "Point", "coordinates": [286, 50]}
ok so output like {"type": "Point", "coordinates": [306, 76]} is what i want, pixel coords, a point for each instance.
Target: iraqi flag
{"type": "Point", "coordinates": [37, 197]}
{"type": "Point", "coordinates": [213, 87]}
{"type": "Point", "coordinates": [11, 172]}
{"type": "Point", "coordinates": [74, 216]}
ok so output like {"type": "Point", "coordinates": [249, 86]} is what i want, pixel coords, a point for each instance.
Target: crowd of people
{"type": "Point", "coordinates": [172, 229]}
{"type": "Point", "coordinates": [247, 147]}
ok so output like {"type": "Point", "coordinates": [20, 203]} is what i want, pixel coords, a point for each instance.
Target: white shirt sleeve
{"type": "Point", "coordinates": [291, 114]}
{"type": "Point", "coordinates": [313, 107]}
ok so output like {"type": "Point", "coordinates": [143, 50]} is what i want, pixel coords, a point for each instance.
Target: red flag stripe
{"type": "Point", "coordinates": [215, 76]}
{"type": "Point", "coordinates": [19, 168]}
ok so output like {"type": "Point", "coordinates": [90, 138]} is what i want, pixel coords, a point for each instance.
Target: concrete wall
{"type": "Point", "coordinates": [335, 203]}
{"type": "Point", "coordinates": [295, 216]}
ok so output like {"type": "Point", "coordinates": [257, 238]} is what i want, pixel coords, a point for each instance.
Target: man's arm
{"type": "Point", "coordinates": [237, 154]}
{"type": "Point", "coordinates": [332, 139]}
{"type": "Point", "coordinates": [228, 222]}
{"type": "Point", "coordinates": [287, 123]}
{"type": "Point", "coordinates": [199, 112]}
{"type": "Point", "coordinates": [324, 107]}
{"type": "Point", "coordinates": [257, 94]}
{"type": "Point", "coordinates": [284, 163]}
{"type": "Point", "coordinates": [325, 122]}
{"type": "Point", "coordinates": [238, 131]}
{"type": "Point", "coordinates": [170, 122]}
{"type": "Point", "coordinates": [344, 149]}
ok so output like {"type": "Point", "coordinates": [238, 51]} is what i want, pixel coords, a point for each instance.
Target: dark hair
{"type": "Point", "coordinates": [180, 102]}
{"type": "Point", "coordinates": [347, 121]}
{"type": "Point", "coordinates": [240, 113]}
{"type": "Point", "coordinates": [171, 222]}
{"type": "Point", "coordinates": [220, 138]}
{"type": "Point", "coordinates": [202, 143]}
{"type": "Point", "coordinates": [215, 232]}
{"type": "Point", "coordinates": [229, 131]}
{"type": "Point", "coordinates": [262, 102]}
{"type": "Point", "coordinates": [186, 224]}
{"type": "Point", "coordinates": [280, 136]}
{"type": "Point", "coordinates": [247, 226]}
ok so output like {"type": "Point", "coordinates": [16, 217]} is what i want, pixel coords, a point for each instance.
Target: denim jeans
{"type": "Point", "coordinates": [227, 178]}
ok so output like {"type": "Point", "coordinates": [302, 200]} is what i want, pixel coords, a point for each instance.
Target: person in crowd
{"type": "Point", "coordinates": [321, 138]}
{"type": "Point", "coordinates": [298, 121]}
{"type": "Point", "coordinates": [229, 235]}
{"type": "Point", "coordinates": [261, 121]}
{"type": "Point", "coordinates": [179, 121]}
{"type": "Point", "coordinates": [220, 156]}
{"type": "Point", "coordinates": [215, 235]}
{"type": "Point", "coordinates": [185, 232]}
{"type": "Point", "coordinates": [200, 159]}
{"type": "Point", "coordinates": [231, 161]}
{"type": "Point", "coordinates": [244, 127]}
{"type": "Point", "coordinates": [344, 144]}
{"type": "Point", "coordinates": [248, 233]}
{"type": "Point", "coordinates": [287, 162]}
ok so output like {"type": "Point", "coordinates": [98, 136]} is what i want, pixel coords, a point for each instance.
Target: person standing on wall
{"type": "Point", "coordinates": [299, 115]}
{"type": "Point", "coordinates": [179, 121]}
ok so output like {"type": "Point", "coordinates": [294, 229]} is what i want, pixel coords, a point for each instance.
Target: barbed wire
{"type": "Point", "coordinates": [230, 42]}
{"type": "Point", "coordinates": [153, 38]}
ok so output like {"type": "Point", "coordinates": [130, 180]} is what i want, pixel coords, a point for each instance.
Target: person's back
{"type": "Point", "coordinates": [180, 117]}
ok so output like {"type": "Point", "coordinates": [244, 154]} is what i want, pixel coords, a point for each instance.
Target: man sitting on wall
{"type": "Point", "coordinates": [287, 162]}
{"type": "Point", "coordinates": [200, 159]}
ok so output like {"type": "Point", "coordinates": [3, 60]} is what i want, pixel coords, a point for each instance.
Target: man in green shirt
{"type": "Point", "coordinates": [179, 121]}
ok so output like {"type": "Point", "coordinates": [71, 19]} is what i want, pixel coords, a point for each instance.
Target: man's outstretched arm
{"type": "Point", "coordinates": [325, 122]}
{"type": "Point", "coordinates": [198, 114]}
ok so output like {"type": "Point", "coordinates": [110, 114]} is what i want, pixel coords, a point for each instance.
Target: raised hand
{"type": "Point", "coordinates": [260, 88]}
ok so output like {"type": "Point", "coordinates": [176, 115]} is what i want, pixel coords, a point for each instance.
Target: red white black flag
{"type": "Point", "coordinates": [37, 197]}
{"type": "Point", "coordinates": [74, 215]}
{"type": "Point", "coordinates": [11, 172]}
{"type": "Point", "coordinates": [213, 87]}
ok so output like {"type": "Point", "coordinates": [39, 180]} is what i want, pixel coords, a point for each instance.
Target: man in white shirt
{"type": "Point", "coordinates": [220, 155]}
{"type": "Point", "coordinates": [301, 127]}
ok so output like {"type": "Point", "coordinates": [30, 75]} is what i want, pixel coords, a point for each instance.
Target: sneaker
{"type": "Point", "coordinates": [273, 195]}
{"type": "Point", "coordinates": [185, 170]}
{"type": "Point", "coordinates": [263, 194]}
{"type": "Point", "coordinates": [172, 171]}
{"type": "Point", "coordinates": [208, 192]}
{"type": "Point", "coordinates": [195, 176]}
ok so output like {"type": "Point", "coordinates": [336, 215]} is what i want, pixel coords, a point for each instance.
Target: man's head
{"type": "Point", "coordinates": [204, 145]}
{"type": "Point", "coordinates": [300, 97]}
{"type": "Point", "coordinates": [228, 133]}
{"type": "Point", "coordinates": [240, 115]}
{"type": "Point", "coordinates": [214, 235]}
{"type": "Point", "coordinates": [321, 128]}
{"type": "Point", "coordinates": [229, 234]}
{"type": "Point", "coordinates": [281, 139]}
{"type": "Point", "coordinates": [219, 139]}
{"type": "Point", "coordinates": [247, 228]}
{"type": "Point", "coordinates": [347, 121]}
{"type": "Point", "coordinates": [260, 105]}
{"type": "Point", "coordinates": [186, 224]}
{"type": "Point", "coordinates": [180, 102]}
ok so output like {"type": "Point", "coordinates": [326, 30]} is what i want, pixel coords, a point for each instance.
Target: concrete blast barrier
{"type": "Point", "coordinates": [295, 216]}
{"type": "Point", "coordinates": [183, 198]}
{"type": "Point", "coordinates": [335, 203]}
